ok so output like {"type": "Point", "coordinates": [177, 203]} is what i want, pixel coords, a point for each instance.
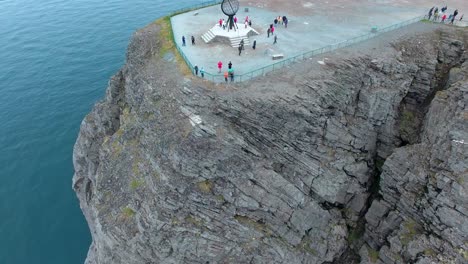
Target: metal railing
{"type": "Point", "coordinates": [278, 65]}
{"type": "Point", "coordinates": [194, 7]}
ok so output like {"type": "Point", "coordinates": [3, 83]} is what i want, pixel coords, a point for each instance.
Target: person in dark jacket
{"type": "Point", "coordinates": [430, 13]}
{"type": "Point", "coordinates": [254, 44]}
{"type": "Point", "coordinates": [196, 70]}
{"type": "Point", "coordinates": [193, 40]}
{"type": "Point", "coordinates": [183, 40]}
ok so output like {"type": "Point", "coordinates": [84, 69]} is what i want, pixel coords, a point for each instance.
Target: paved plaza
{"type": "Point", "coordinates": [311, 25]}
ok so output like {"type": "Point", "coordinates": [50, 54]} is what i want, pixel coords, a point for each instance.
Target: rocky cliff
{"type": "Point", "coordinates": [363, 159]}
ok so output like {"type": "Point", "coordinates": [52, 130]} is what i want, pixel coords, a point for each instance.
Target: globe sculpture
{"type": "Point", "coordinates": [230, 8]}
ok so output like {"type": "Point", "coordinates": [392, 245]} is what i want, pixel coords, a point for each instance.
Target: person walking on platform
{"type": "Point", "coordinates": [196, 70]}
{"type": "Point", "coordinates": [240, 50]}
{"type": "Point", "coordinates": [183, 40]}
{"type": "Point", "coordinates": [193, 40]}
{"type": "Point", "coordinates": [461, 18]}
{"type": "Point", "coordinates": [220, 66]}
{"type": "Point", "coordinates": [455, 13]}
{"type": "Point", "coordinates": [444, 17]}
{"type": "Point", "coordinates": [268, 32]}
{"type": "Point", "coordinates": [202, 72]}
{"type": "Point", "coordinates": [254, 44]}
{"type": "Point", "coordinates": [229, 65]}
{"type": "Point", "coordinates": [226, 76]}
{"type": "Point", "coordinates": [275, 40]}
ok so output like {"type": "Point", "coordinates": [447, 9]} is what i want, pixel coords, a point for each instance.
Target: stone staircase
{"type": "Point", "coordinates": [235, 41]}
{"type": "Point", "coordinates": [208, 36]}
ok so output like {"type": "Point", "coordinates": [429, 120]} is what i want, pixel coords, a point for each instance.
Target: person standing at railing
{"type": "Point", "coordinates": [443, 9]}
{"type": "Point", "coordinates": [436, 14]}
{"type": "Point", "coordinates": [202, 72]}
{"type": "Point", "coordinates": [461, 18]}
{"type": "Point", "coordinates": [444, 17]}
{"type": "Point", "coordinates": [220, 66]}
{"type": "Point", "coordinates": [231, 74]}
{"type": "Point", "coordinates": [196, 70]}
{"type": "Point", "coordinates": [230, 65]}
{"type": "Point", "coordinates": [430, 13]}
{"type": "Point", "coordinates": [226, 74]}
{"type": "Point", "coordinates": [455, 13]}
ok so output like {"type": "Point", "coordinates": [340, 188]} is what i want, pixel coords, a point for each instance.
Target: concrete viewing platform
{"type": "Point", "coordinates": [311, 25]}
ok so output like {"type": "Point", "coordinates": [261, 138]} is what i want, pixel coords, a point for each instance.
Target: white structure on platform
{"type": "Point", "coordinates": [234, 36]}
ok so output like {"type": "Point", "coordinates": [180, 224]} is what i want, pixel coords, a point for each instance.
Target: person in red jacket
{"type": "Point", "coordinates": [220, 65]}
{"type": "Point", "coordinates": [444, 17]}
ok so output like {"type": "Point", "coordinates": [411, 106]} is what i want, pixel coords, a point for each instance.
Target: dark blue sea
{"type": "Point", "coordinates": [56, 57]}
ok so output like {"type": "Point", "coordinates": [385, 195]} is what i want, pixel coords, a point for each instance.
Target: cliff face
{"type": "Point", "coordinates": [358, 159]}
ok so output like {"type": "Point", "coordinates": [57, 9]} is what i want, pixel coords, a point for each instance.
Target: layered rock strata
{"type": "Point", "coordinates": [283, 169]}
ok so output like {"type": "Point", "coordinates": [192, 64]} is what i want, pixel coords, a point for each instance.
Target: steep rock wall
{"type": "Point", "coordinates": [170, 169]}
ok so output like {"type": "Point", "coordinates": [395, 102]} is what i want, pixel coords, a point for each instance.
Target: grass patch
{"type": "Point", "coordinates": [128, 212]}
{"type": "Point", "coordinates": [407, 120]}
{"type": "Point", "coordinates": [304, 247]}
{"type": "Point", "coordinates": [166, 38]}
{"type": "Point", "coordinates": [355, 234]}
{"type": "Point", "coordinates": [373, 255]}
{"type": "Point", "coordinates": [430, 252]}
{"type": "Point", "coordinates": [205, 186]}
{"type": "Point", "coordinates": [411, 229]}
{"type": "Point", "coordinates": [194, 221]}
{"type": "Point", "coordinates": [136, 183]}
{"type": "Point", "coordinates": [464, 253]}
{"type": "Point", "coordinates": [257, 225]}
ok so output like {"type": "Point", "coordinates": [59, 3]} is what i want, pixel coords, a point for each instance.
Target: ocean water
{"type": "Point", "coordinates": [56, 57]}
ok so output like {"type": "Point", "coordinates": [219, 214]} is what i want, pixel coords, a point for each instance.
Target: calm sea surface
{"type": "Point", "coordinates": [56, 57]}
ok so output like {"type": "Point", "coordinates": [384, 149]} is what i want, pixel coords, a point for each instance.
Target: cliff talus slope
{"type": "Point", "coordinates": [282, 169]}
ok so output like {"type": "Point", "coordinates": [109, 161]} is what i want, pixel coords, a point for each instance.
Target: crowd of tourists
{"type": "Point", "coordinates": [442, 15]}
{"type": "Point", "coordinates": [229, 73]}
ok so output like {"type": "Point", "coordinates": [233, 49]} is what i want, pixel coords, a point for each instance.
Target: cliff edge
{"type": "Point", "coordinates": [360, 160]}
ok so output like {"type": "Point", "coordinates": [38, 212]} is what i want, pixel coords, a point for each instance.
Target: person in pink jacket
{"type": "Point", "coordinates": [272, 30]}
{"type": "Point", "coordinates": [220, 66]}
